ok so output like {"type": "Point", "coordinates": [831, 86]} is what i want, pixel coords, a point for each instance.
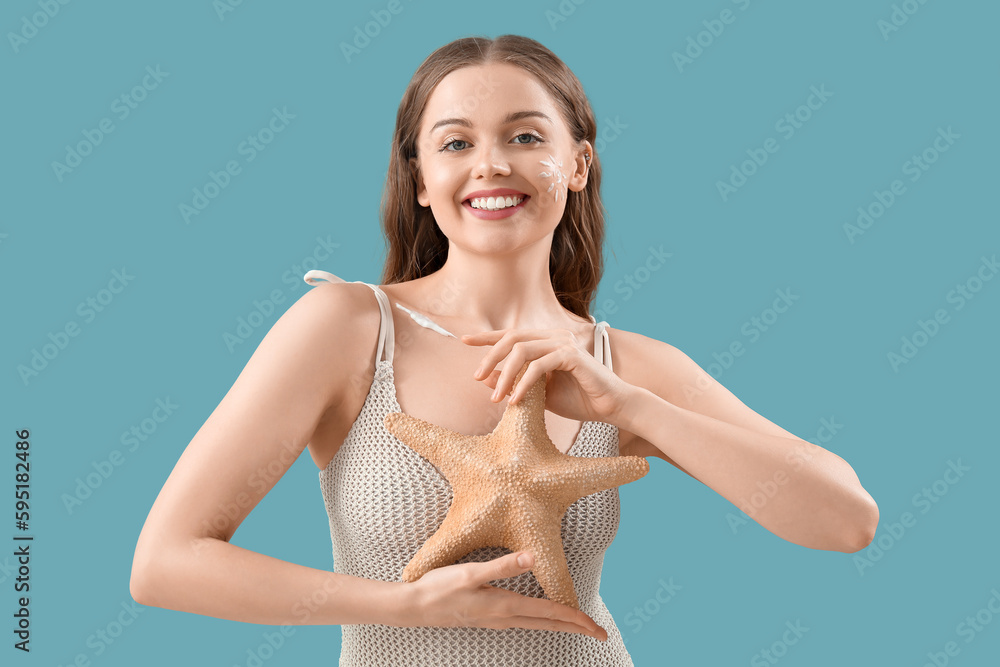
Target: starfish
{"type": "Point", "coordinates": [511, 488]}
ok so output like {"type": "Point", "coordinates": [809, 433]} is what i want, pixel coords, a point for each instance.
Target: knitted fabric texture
{"type": "Point", "coordinates": [384, 501]}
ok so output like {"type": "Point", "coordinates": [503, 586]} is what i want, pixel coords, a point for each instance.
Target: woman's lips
{"type": "Point", "coordinates": [495, 215]}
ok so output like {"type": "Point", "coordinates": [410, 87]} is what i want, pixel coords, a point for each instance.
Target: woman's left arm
{"type": "Point", "coordinates": [797, 490]}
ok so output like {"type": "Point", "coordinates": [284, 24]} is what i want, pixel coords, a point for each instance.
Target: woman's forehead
{"type": "Point", "coordinates": [489, 95]}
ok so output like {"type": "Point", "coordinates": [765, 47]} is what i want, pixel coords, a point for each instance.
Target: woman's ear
{"type": "Point", "coordinates": [422, 197]}
{"type": "Point", "coordinates": [578, 181]}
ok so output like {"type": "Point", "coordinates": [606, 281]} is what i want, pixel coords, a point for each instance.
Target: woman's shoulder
{"type": "Point", "coordinates": [342, 313]}
{"type": "Point", "coordinates": [646, 361]}
{"type": "Point", "coordinates": [629, 342]}
{"type": "Point", "coordinates": [343, 319]}
{"type": "Point", "coordinates": [638, 343]}
{"type": "Point", "coordinates": [339, 297]}
{"type": "Point", "coordinates": [333, 287]}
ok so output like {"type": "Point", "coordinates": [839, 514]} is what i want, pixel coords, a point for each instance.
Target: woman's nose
{"type": "Point", "coordinates": [491, 161]}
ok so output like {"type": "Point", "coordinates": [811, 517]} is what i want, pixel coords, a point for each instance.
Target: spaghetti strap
{"type": "Point", "coordinates": [602, 342]}
{"type": "Point", "coordinates": [314, 276]}
{"type": "Point", "coordinates": [386, 334]}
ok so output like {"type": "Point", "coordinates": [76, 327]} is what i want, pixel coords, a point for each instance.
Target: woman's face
{"type": "Point", "coordinates": [495, 127]}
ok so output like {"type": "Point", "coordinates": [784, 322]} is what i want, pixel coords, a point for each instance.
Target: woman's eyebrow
{"type": "Point", "coordinates": [511, 118]}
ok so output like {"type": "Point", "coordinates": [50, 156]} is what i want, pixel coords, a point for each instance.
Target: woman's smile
{"type": "Point", "coordinates": [489, 204]}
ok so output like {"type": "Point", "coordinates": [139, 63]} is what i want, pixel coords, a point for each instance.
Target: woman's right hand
{"type": "Point", "coordinates": [460, 595]}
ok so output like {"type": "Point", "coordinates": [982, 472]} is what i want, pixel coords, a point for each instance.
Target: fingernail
{"type": "Point", "coordinates": [523, 560]}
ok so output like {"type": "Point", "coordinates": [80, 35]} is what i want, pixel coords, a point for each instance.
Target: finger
{"type": "Point", "coordinates": [522, 385]}
{"type": "Point", "coordinates": [536, 369]}
{"type": "Point", "coordinates": [522, 352]}
{"type": "Point", "coordinates": [501, 341]}
{"type": "Point", "coordinates": [542, 366]}
{"type": "Point", "coordinates": [494, 338]}
{"type": "Point", "coordinates": [536, 623]}
{"type": "Point", "coordinates": [503, 567]}
{"type": "Point", "coordinates": [512, 366]}
{"type": "Point", "coordinates": [510, 605]}
{"type": "Point", "coordinates": [483, 337]}
{"type": "Point", "coordinates": [491, 381]}
{"type": "Point", "coordinates": [547, 609]}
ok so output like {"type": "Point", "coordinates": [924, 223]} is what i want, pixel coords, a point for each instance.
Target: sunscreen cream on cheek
{"type": "Point", "coordinates": [559, 180]}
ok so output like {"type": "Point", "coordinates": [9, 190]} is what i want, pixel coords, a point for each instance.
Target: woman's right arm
{"type": "Point", "coordinates": [183, 558]}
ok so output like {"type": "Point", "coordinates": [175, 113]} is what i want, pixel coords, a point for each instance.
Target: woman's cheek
{"type": "Point", "coordinates": [556, 178]}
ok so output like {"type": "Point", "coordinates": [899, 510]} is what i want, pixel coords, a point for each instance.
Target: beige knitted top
{"type": "Point", "coordinates": [384, 501]}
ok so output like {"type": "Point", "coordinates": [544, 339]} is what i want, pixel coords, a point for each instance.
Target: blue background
{"type": "Point", "coordinates": [680, 130]}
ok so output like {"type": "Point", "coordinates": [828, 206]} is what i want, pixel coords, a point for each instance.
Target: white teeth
{"type": "Point", "coordinates": [495, 203]}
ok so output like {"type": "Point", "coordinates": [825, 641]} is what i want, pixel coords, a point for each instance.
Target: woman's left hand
{"type": "Point", "coordinates": [577, 386]}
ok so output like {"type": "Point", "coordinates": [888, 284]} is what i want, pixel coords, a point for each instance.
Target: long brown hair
{"type": "Point", "coordinates": [416, 246]}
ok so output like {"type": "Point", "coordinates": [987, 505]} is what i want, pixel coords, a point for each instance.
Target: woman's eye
{"type": "Point", "coordinates": [448, 146]}
{"type": "Point", "coordinates": [455, 141]}
{"type": "Point", "coordinates": [527, 134]}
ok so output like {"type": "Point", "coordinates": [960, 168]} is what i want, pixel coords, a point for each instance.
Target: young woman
{"type": "Point", "coordinates": [495, 227]}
